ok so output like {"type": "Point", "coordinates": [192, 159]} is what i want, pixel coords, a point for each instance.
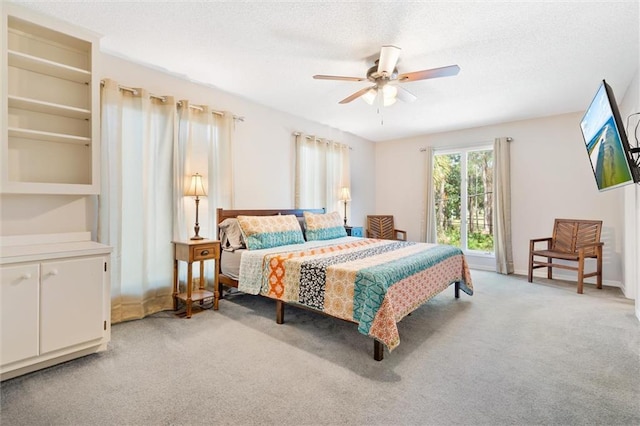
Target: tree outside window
{"type": "Point", "coordinates": [464, 207]}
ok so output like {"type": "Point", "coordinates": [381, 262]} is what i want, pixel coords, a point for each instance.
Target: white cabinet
{"type": "Point", "coordinates": [50, 106]}
{"type": "Point", "coordinates": [18, 321]}
{"type": "Point", "coordinates": [70, 290]}
{"type": "Point", "coordinates": [54, 300]}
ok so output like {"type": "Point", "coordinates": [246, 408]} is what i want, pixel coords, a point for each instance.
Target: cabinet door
{"type": "Point", "coordinates": [18, 312]}
{"type": "Point", "coordinates": [71, 302]}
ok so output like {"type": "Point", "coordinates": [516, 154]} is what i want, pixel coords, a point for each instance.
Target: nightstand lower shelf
{"type": "Point", "coordinates": [196, 295]}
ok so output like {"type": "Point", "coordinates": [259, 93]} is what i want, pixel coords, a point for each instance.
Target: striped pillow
{"type": "Point", "coordinates": [262, 232]}
{"type": "Point", "coordinates": [323, 226]}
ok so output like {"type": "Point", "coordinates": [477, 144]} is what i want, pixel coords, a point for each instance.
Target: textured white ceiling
{"type": "Point", "coordinates": [518, 60]}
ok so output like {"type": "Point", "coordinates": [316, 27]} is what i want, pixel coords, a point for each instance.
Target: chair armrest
{"type": "Point", "coordinates": [533, 242]}
{"type": "Point", "coordinates": [539, 240]}
{"type": "Point", "coordinates": [599, 243]}
{"type": "Point", "coordinates": [400, 231]}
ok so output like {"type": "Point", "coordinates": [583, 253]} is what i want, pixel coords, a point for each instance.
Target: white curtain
{"type": "Point", "coordinates": [221, 162]}
{"type": "Point", "coordinates": [203, 145]}
{"type": "Point", "coordinates": [150, 149]}
{"type": "Point", "coordinates": [502, 206]}
{"type": "Point", "coordinates": [135, 205]}
{"type": "Point", "coordinates": [428, 231]}
{"type": "Point", "coordinates": [322, 169]}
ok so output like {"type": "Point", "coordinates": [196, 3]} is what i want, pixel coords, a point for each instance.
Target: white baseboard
{"type": "Point", "coordinates": [542, 273]}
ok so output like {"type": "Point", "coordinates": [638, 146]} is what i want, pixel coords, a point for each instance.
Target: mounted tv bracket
{"type": "Point", "coordinates": [635, 156]}
{"type": "Point", "coordinates": [634, 153]}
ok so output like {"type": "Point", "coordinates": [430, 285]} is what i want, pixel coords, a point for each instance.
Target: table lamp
{"type": "Point", "coordinates": [196, 189]}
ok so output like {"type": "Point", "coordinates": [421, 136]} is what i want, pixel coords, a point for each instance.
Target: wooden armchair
{"type": "Point", "coordinates": [572, 240]}
{"type": "Point", "coordinates": [381, 226]}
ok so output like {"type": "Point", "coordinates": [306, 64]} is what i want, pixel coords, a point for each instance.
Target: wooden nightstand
{"type": "Point", "coordinates": [195, 251]}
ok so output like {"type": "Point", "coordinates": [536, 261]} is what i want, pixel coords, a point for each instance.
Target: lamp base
{"type": "Point", "coordinates": [197, 237]}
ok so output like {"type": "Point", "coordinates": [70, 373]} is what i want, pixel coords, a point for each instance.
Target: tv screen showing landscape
{"type": "Point", "coordinates": [607, 150]}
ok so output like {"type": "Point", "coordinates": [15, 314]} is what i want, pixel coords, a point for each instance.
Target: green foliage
{"type": "Point", "coordinates": [480, 242]}
{"type": "Point", "coordinates": [449, 236]}
{"type": "Point", "coordinates": [447, 184]}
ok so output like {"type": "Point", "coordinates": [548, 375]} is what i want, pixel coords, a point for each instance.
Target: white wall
{"type": "Point", "coordinates": [630, 104]}
{"type": "Point", "coordinates": [551, 178]}
{"type": "Point", "coordinates": [263, 169]}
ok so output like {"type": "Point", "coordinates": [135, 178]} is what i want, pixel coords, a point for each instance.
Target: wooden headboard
{"type": "Point", "coordinates": [225, 214]}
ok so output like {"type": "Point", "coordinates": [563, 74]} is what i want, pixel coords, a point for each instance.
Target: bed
{"type": "Point", "coordinates": [309, 262]}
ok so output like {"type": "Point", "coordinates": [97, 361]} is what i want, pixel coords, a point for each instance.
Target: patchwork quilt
{"type": "Point", "coordinates": [374, 283]}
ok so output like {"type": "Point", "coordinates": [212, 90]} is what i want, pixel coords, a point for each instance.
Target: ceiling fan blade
{"type": "Point", "coordinates": [337, 77]}
{"type": "Point", "coordinates": [451, 70]}
{"type": "Point", "coordinates": [405, 96]}
{"type": "Point", "coordinates": [356, 95]}
{"type": "Point", "coordinates": [388, 59]}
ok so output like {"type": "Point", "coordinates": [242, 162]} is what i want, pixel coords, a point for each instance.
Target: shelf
{"type": "Point", "coordinates": [44, 66]}
{"type": "Point", "coordinates": [48, 107]}
{"type": "Point", "coordinates": [196, 295]}
{"type": "Point", "coordinates": [50, 120]}
{"type": "Point", "coordinates": [48, 136]}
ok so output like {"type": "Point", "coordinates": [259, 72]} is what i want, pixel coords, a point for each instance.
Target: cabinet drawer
{"type": "Point", "coordinates": [205, 251]}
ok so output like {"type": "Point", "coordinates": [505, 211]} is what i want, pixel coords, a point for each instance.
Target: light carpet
{"type": "Point", "coordinates": [514, 353]}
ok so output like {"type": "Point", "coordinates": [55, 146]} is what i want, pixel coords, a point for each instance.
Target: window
{"type": "Point", "coordinates": [322, 169]}
{"type": "Point", "coordinates": [464, 206]}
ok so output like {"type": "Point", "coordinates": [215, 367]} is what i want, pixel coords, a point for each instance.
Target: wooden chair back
{"type": "Point", "coordinates": [570, 234]}
{"type": "Point", "coordinates": [383, 227]}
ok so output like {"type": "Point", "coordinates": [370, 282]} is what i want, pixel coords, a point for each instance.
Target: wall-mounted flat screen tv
{"type": "Point", "coordinates": [606, 142]}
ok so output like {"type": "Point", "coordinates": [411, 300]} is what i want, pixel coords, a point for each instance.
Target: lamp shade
{"type": "Point", "coordinates": [370, 96]}
{"type": "Point", "coordinates": [196, 188]}
{"type": "Point", "coordinates": [345, 194]}
{"type": "Point", "coordinates": [385, 95]}
{"type": "Point", "coordinates": [389, 94]}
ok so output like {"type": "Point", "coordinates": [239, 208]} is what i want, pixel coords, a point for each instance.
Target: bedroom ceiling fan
{"type": "Point", "coordinates": [385, 77]}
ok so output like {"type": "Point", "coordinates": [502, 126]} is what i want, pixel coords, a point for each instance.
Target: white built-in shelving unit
{"type": "Point", "coordinates": [55, 302]}
{"type": "Point", "coordinates": [50, 106]}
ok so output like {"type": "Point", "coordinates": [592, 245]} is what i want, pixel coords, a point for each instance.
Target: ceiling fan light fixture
{"type": "Point", "coordinates": [389, 93]}
{"type": "Point", "coordinates": [389, 101]}
{"type": "Point", "coordinates": [384, 75]}
{"type": "Point", "coordinates": [370, 96]}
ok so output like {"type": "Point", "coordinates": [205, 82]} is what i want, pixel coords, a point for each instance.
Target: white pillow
{"type": "Point", "coordinates": [231, 235]}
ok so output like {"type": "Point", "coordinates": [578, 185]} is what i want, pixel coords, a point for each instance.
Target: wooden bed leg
{"type": "Point", "coordinates": [279, 312]}
{"type": "Point", "coordinates": [378, 350]}
{"type": "Point", "coordinates": [457, 291]}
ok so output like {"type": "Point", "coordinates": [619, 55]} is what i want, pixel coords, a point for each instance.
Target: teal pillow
{"type": "Point", "coordinates": [323, 226]}
{"type": "Point", "coordinates": [262, 232]}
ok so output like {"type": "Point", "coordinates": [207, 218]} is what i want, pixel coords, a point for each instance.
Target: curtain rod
{"type": "Point", "coordinates": [135, 92]}
{"type": "Point", "coordinates": [509, 139]}
{"type": "Point", "coordinates": [164, 99]}
{"type": "Point", "coordinates": [311, 136]}
{"type": "Point", "coordinates": [219, 113]}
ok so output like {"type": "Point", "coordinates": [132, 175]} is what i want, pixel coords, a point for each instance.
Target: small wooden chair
{"type": "Point", "coordinates": [572, 240]}
{"type": "Point", "coordinates": [382, 227]}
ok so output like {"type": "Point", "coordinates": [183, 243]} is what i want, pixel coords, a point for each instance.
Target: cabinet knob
{"type": "Point", "coordinates": [26, 276]}
{"type": "Point", "coordinates": [53, 272]}
{"type": "Point", "coordinates": [204, 252]}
